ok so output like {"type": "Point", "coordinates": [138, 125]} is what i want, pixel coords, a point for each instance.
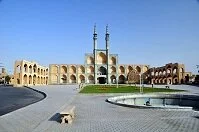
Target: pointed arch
{"type": "Point", "coordinates": [130, 68]}
{"type": "Point", "coordinates": [25, 68]}
{"type": "Point", "coordinates": [121, 79]}
{"type": "Point", "coordinates": [25, 78]}
{"type": "Point", "coordinates": [90, 69]}
{"type": "Point", "coordinates": [63, 69]}
{"type": "Point", "coordinates": [81, 69]}
{"type": "Point", "coordinates": [30, 69]}
{"type": "Point", "coordinates": [72, 69]}
{"type": "Point", "coordinates": [113, 70]}
{"type": "Point", "coordinates": [38, 80]}
{"type": "Point", "coordinates": [138, 69]}
{"type": "Point", "coordinates": [121, 70]}
{"type": "Point", "coordinates": [72, 78]}
{"type": "Point", "coordinates": [35, 68]}
{"type": "Point", "coordinates": [102, 71]}
{"type": "Point", "coordinates": [113, 61]}
{"type": "Point", "coordinates": [113, 79]}
{"type": "Point", "coordinates": [90, 79]}
{"type": "Point", "coordinates": [34, 79]}
{"type": "Point", "coordinates": [63, 79]}
{"type": "Point", "coordinates": [30, 79]}
{"type": "Point", "coordinates": [90, 60]}
{"type": "Point", "coordinates": [82, 78]}
{"type": "Point", "coordinates": [101, 58]}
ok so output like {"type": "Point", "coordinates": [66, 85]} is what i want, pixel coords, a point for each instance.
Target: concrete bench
{"type": "Point", "coordinates": [67, 115]}
{"type": "Point", "coordinates": [166, 86]}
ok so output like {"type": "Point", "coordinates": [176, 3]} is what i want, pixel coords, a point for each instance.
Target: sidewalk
{"type": "Point", "coordinates": [35, 116]}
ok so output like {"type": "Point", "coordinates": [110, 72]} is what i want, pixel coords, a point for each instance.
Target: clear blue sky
{"type": "Point", "coordinates": [153, 32]}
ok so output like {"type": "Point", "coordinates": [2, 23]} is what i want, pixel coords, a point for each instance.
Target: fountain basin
{"type": "Point", "coordinates": [158, 101]}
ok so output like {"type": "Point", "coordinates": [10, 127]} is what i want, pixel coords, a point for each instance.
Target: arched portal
{"type": "Point", "coordinates": [138, 69]}
{"type": "Point", "coordinates": [30, 69]}
{"type": "Point", "coordinates": [34, 79]}
{"type": "Point", "coordinates": [130, 68]}
{"type": "Point", "coordinates": [25, 78]}
{"type": "Point", "coordinates": [121, 70]}
{"type": "Point", "coordinates": [101, 80]}
{"type": "Point", "coordinates": [90, 69]}
{"type": "Point", "coordinates": [35, 68]}
{"type": "Point", "coordinates": [41, 71]}
{"type": "Point", "coordinates": [164, 80]}
{"type": "Point", "coordinates": [72, 79]}
{"type": "Point", "coordinates": [72, 69]}
{"type": "Point", "coordinates": [30, 79]}
{"type": "Point", "coordinates": [38, 80]}
{"type": "Point", "coordinates": [113, 61]}
{"type": "Point", "coordinates": [90, 79]}
{"type": "Point", "coordinates": [82, 78]}
{"type": "Point", "coordinates": [121, 79]}
{"type": "Point", "coordinates": [175, 79]}
{"type": "Point", "coordinates": [101, 58]}
{"type": "Point", "coordinates": [145, 68]}
{"type": "Point", "coordinates": [90, 60]}
{"type": "Point", "coordinates": [25, 68]}
{"type": "Point", "coordinates": [113, 79]}
{"type": "Point", "coordinates": [42, 80]}
{"type": "Point", "coordinates": [102, 71]}
{"type": "Point", "coordinates": [169, 79]}
{"type": "Point", "coordinates": [81, 69]}
{"type": "Point", "coordinates": [175, 70]}
{"type": "Point", "coordinates": [46, 80]}
{"type": "Point", "coordinates": [63, 79]}
{"type": "Point", "coordinates": [38, 71]}
{"type": "Point", "coordinates": [63, 69]}
{"type": "Point", "coordinates": [113, 70]}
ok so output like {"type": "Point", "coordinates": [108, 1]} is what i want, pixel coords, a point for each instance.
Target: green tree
{"type": "Point", "coordinates": [7, 79]}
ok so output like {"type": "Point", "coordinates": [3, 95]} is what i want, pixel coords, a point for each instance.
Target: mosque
{"type": "Point", "coordinates": [100, 67]}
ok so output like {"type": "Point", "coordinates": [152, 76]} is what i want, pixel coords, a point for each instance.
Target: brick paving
{"type": "Point", "coordinates": [93, 114]}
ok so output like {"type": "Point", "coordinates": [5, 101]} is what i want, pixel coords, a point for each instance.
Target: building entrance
{"type": "Point", "coordinates": [102, 80]}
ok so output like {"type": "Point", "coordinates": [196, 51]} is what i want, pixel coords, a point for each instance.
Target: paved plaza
{"type": "Point", "coordinates": [93, 114]}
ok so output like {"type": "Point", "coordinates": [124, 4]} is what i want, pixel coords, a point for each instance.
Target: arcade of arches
{"type": "Point", "coordinates": [30, 73]}
{"type": "Point", "coordinates": [64, 73]}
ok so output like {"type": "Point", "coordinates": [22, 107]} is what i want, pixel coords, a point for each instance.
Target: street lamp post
{"type": "Point", "coordinates": [117, 80]}
{"type": "Point", "coordinates": [140, 82]}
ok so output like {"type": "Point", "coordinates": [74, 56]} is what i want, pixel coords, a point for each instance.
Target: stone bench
{"type": "Point", "coordinates": [68, 115]}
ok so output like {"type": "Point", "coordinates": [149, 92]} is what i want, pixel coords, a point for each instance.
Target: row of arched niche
{"type": "Point", "coordinates": [33, 80]}
{"type": "Point", "coordinates": [32, 69]}
{"type": "Point", "coordinates": [164, 71]}
{"type": "Point", "coordinates": [82, 79]}
{"type": "Point", "coordinates": [81, 69]}
{"type": "Point", "coordinates": [168, 75]}
{"type": "Point", "coordinates": [101, 59]}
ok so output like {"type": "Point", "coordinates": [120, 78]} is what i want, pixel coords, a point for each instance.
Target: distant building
{"type": "Point", "coordinates": [172, 73]}
{"type": "Point", "coordinates": [29, 73]}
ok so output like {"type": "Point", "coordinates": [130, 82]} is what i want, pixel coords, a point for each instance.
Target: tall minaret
{"type": "Point", "coordinates": [107, 54]}
{"type": "Point", "coordinates": [95, 53]}
{"type": "Point", "coordinates": [95, 38]}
